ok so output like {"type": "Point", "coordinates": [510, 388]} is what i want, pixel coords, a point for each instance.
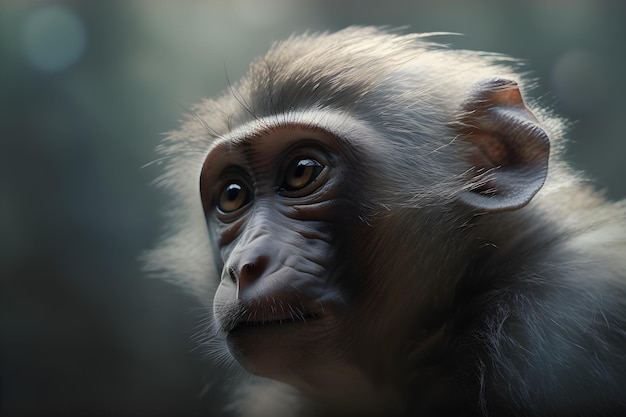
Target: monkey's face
{"type": "Point", "coordinates": [273, 201]}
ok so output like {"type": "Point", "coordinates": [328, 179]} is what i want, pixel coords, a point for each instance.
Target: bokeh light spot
{"type": "Point", "coordinates": [53, 38]}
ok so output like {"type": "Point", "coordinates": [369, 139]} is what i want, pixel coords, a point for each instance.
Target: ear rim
{"type": "Point", "coordinates": [508, 150]}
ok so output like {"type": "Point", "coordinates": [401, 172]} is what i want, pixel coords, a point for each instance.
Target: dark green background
{"type": "Point", "coordinates": [86, 90]}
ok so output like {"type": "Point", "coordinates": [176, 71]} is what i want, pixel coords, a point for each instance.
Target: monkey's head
{"type": "Point", "coordinates": [322, 192]}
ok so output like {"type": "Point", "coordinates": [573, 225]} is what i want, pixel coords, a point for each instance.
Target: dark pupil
{"type": "Point", "coordinates": [301, 168]}
{"type": "Point", "coordinates": [232, 192]}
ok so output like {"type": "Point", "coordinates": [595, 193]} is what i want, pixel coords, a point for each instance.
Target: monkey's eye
{"type": "Point", "coordinates": [233, 196]}
{"type": "Point", "coordinates": [300, 173]}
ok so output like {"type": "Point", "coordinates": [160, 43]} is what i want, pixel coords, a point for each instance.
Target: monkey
{"type": "Point", "coordinates": [382, 225]}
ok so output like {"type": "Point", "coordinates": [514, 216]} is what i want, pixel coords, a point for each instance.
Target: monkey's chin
{"type": "Point", "coordinates": [273, 348]}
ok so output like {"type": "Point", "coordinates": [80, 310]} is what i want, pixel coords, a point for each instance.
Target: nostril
{"type": "Point", "coordinates": [251, 272]}
{"type": "Point", "coordinates": [232, 273]}
{"type": "Point", "coordinates": [249, 269]}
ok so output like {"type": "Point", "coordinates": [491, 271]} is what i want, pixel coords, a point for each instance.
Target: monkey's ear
{"type": "Point", "coordinates": [508, 149]}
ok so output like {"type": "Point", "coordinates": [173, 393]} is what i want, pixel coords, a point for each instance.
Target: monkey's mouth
{"type": "Point", "coordinates": [273, 322]}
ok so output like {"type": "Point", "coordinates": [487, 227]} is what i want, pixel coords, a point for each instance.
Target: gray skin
{"type": "Point", "coordinates": [384, 227]}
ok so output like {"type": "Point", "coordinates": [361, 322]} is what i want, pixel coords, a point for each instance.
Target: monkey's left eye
{"type": "Point", "coordinates": [300, 173]}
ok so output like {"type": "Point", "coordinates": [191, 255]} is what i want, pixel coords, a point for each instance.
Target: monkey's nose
{"type": "Point", "coordinates": [250, 272]}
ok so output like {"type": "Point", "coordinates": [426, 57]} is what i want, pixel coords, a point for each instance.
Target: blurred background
{"type": "Point", "coordinates": [86, 90]}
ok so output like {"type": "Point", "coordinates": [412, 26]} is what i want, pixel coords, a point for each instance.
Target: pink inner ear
{"type": "Point", "coordinates": [506, 93]}
{"type": "Point", "coordinates": [509, 151]}
{"type": "Point", "coordinates": [488, 151]}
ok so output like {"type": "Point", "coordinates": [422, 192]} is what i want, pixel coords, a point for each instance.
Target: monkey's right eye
{"type": "Point", "coordinates": [233, 196]}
